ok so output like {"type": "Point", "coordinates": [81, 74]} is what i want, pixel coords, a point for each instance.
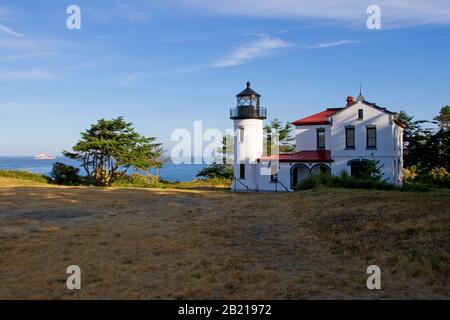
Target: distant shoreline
{"type": "Point", "coordinates": [171, 172]}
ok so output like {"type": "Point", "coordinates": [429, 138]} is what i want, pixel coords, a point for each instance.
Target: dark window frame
{"type": "Point", "coordinates": [374, 138]}
{"type": "Point", "coordinates": [241, 134]}
{"type": "Point", "coordinates": [242, 171]}
{"type": "Point", "coordinates": [360, 114]}
{"type": "Point", "coordinates": [347, 146]}
{"type": "Point", "coordinates": [318, 132]}
{"type": "Point", "coordinates": [274, 178]}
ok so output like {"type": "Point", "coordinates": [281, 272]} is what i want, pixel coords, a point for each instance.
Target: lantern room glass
{"type": "Point", "coordinates": [249, 101]}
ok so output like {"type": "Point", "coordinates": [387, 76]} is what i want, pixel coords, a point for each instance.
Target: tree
{"type": "Point", "coordinates": [285, 136]}
{"type": "Point", "coordinates": [216, 170]}
{"type": "Point", "coordinates": [110, 147]}
{"type": "Point", "coordinates": [415, 139]}
{"type": "Point", "coordinates": [147, 156]}
{"type": "Point", "coordinates": [221, 168]}
{"type": "Point", "coordinates": [227, 149]}
{"type": "Point", "coordinates": [426, 148]}
{"type": "Point", "coordinates": [64, 174]}
{"type": "Point", "coordinates": [443, 119]}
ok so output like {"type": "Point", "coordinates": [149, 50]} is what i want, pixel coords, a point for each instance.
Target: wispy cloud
{"type": "Point", "coordinates": [264, 46]}
{"type": "Point", "coordinates": [331, 44]}
{"type": "Point", "coordinates": [32, 74]}
{"type": "Point", "coordinates": [9, 31]}
{"type": "Point", "coordinates": [396, 13]}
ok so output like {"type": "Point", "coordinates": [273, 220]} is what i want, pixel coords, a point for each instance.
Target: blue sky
{"type": "Point", "coordinates": [165, 64]}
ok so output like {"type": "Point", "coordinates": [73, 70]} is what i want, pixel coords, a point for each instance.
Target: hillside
{"type": "Point", "coordinates": [172, 244]}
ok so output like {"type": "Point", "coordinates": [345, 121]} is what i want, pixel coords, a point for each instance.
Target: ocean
{"type": "Point", "coordinates": [171, 172]}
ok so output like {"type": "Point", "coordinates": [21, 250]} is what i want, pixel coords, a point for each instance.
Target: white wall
{"type": "Point", "coordinates": [388, 143]}
{"type": "Point", "coordinates": [389, 140]}
{"type": "Point", "coordinates": [248, 151]}
{"type": "Point", "coordinates": [284, 176]}
{"type": "Point", "coordinates": [306, 137]}
{"type": "Point", "coordinates": [372, 117]}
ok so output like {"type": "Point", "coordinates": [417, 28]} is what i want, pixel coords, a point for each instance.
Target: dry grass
{"type": "Point", "coordinates": [173, 244]}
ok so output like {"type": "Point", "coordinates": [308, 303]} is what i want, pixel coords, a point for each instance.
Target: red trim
{"type": "Point", "coordinates": [301, 156]}
{"type": "Point", "coordinates": [317, 119]}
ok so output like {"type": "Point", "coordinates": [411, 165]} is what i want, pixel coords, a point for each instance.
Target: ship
{"type": "Point", "coordinates": [43, 156]}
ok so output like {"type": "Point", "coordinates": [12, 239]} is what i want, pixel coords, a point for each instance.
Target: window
{"type": "Point", "coordinates": [360, 114]}
{"type": "Point", "coordinates": [274, 178]}
{"type": "Point", "coordinates": [241, 134]}
{"type": "Point", "coordinates": [273, 174]}
{"type": "Point", "coordinates": [242, 171]}
{"type": "Point", "coordinates": [371, 138]}
{"type": "Point", "coordinates": [350, 138]}
{"type": "Point", "coordinates": [321, 138]}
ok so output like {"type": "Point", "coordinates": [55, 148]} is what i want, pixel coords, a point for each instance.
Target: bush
{"type": "Point", "coordinates": [309, 183]}
{"type": "Point", "coordinates": [217, 170]}
{"type": "Point", "coordinates": [24, 175]}
{"type": "Point", "coordinates": [64, 174]}
{"type": "Point", "coordinates": [343, 181]}
{"type": "Point", "coordinates": [419, 187]}
{"type": "Point", "coordinates": [439, 176]}
{"type": "Point", "coordinates": [410, 174]}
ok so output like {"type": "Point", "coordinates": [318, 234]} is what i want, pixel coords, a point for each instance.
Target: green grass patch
{"type": "Point", "coordinates": [24, 175]}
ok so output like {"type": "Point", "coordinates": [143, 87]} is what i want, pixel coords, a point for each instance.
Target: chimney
{"type": "Point", "coordinates": [350, 100]}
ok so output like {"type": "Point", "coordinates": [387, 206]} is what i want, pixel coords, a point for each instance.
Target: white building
{"type": "Point", "coordinates": [331, 141]}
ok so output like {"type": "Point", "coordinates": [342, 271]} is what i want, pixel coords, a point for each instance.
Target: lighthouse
{"type": "Point", "coordinates": [248, 117]}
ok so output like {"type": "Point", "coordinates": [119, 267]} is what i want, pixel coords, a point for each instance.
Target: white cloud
{"type": "Point", "coordinates": [395, 13]}
{"type": "Point", "coordinates": [32, 74]}
{"type": "Point", "coordinates": [331, 44]}
{"type": "Point", "coordinates": [9, 31]}
{"type": "Point", "coordinates": [260, 48]}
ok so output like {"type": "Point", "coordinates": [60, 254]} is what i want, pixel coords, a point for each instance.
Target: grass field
{"type": "Point", "coordinates": [192, 244]}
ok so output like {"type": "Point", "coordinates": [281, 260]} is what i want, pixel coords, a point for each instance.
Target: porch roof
{"type": "Point", "coordinates": [301, 156]}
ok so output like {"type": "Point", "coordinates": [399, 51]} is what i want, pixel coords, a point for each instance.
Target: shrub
{"type": "Point", "coordinates": [64, 174]}
{"type": "Point", "coordinates": [217, 170]}
{"type": "Point", "coordinates": [419, 187]}
{"type": "Point", "coordinates": [24, 175]}
{"type": "Point", "coordinates": [410, 174]}
{"type": "Point", "coordinates": [308, 183]}
{"type": "Point", "coordinates": [344, 181]}
{"type": "Point", "coordinates": [439, 176]}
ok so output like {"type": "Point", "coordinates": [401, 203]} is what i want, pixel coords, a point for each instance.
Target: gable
{"type": "Point", "coordinates": [371, 112]}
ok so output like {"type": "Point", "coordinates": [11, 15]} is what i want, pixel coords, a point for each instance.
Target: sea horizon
{"type": "Point", "coordinates": [171, 172]}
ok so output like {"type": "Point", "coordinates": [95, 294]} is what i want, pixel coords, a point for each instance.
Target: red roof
{"type": "Point", "coordinates": [317, 119]}
{"type": "Point", "coordinates": [301, 156]}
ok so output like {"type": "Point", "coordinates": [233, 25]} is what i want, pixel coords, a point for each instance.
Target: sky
{"type": "Point", "coordinates": [165, 64]}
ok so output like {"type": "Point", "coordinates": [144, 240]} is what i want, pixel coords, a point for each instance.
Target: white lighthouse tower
{"type": "Point", "coordinates": [248, 117]}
